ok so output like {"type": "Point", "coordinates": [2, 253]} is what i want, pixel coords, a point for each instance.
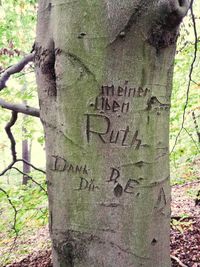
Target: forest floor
{"type": "Point", "coordinates": [185, 233]}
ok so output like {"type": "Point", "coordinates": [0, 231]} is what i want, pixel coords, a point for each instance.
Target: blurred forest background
{"type": "Point", "coordinates": [23, 198]}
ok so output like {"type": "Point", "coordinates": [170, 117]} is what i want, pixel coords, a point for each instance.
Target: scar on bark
{"type": "Point", "coordinates": [45, 61]}
{"type": "Point", "coordinates": [164, 31]}
{"type": "Point", "coordinates": [153, 102]}
{"type": "Point", "coordinates": [72, 247]}
{"type": "Point", "coordinates": [77, 60]}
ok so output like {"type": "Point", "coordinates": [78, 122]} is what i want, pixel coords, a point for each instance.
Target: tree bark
{"type": "Point", "coordinates": [104, 73]}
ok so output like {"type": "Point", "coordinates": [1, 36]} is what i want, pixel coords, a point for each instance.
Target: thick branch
{"type": "Point", "coordinates": [10, 135]}
{"type": "Point", "coordinates": [15, 69]}
{"type": "Point", "coordinates": [25, 109]}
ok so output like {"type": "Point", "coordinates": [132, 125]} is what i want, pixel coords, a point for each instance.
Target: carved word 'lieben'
{"type": "Point", "coordinates": [105, 104]}
{"type": "Point", "coordinates": [100, 126]}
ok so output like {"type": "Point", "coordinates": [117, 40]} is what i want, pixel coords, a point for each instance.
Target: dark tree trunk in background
{"type": "Point", "coordinates": [26, 149]}
{"type": "Point", "coordinates": [104, 73]}
{"type": "Point", "coordinates": [26, 154]}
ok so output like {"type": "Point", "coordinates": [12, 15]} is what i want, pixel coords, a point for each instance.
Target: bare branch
{"type": "Point", "coordinates": [10, 135]}
{"type": "Point", "coordinates": [190, 75]}
{"type": "Point", "coordinates": [25, 109]}
{"type": "Point", "coordinates": [31, 178]}
{"type": "Point", "coordinates": [190, 135]}
{"type": "Point", "coordinates": [15, 69]}
{"type": "Point", "coordinates": [178, 261]}
{"type": "Point", "coordinates": [32, 166]}
{"type": "Point", "coordinates": [10, 166]}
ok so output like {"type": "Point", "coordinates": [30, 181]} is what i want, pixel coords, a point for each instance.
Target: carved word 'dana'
{"type": "Point", "coordinates": [60, 164]}
{"type": "Point", "coordinates": [100, 126]}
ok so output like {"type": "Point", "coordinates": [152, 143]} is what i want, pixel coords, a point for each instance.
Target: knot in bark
{"type": "Point", "coordinates": [164, 31]}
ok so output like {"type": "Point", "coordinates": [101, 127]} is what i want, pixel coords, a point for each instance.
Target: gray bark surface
{"type": "Point", "coordinates": [104, 73]}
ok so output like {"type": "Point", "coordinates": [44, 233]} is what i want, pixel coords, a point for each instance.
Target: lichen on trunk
{"type": "Point", "coordinates": [104, 74]}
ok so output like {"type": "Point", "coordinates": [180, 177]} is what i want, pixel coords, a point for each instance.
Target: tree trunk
{"type": "Point", "coordinates": [104, 73]}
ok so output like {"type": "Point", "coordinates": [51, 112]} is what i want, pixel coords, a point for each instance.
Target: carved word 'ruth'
{"type": "Point", "coordinates": [61, 165]}
{"type": "Point", "coordinates": [100, 126]}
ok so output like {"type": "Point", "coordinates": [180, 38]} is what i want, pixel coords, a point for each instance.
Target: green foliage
{"type": "Point", "coordinates": [30, 202]}
{"type": "Point", "coordinates": [17, 31]}
{"type": "Point", "coordinates": [182, 224]}
{"type": "Point", "coordinates": [32, 210]}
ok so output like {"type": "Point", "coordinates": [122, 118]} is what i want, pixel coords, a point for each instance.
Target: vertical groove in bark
{"type": "Point", "coordinates": [104, 75]}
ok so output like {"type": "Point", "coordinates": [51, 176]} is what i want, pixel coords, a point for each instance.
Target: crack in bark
{"type": "Point", "coordinates": [153, 102]}
{"type": "Point", "coordinates": [109, 205]}
{"type": "Point", "coordinates": [127, 251]}
{"type": "Point", "coordinates": [78, 60]}
{"type": "Point", "coordinates": [71, 141]}
{"type": "Point", "coordinates": [138, 163]}
{"type": "Point", "coordinates": [131, 21]}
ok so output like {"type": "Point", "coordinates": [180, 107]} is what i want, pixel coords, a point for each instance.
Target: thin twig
{"type": "Point", "coordinates": [178, 261]}
{"type": "Point", "coordinates": [196, 125]}
{"type": "Point", "coordinates": [10, 135]}
{"type": "Point", "coordinates": [31, 178]}
{"type": "Point", "coordinates": [190, 75]}
{"type": "Point", "coordinates": [25, 109]}
{"type": "Point", "coordinates": [191, 138]}
{"type": "Point", "coordinates": [20, 160]}
{"type": "Point", "coordinates": [15, 69]}
{"type": "Point", "coordinates": [32, 166]}
{"type": "Point", "coordinates": [24, 73]}
{"type": "Point", "coordinates": [7, 168]}
{"type": "Point", "coordinates": [14, 208]}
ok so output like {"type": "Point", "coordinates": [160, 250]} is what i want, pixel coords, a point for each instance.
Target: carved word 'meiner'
{"type": "Point", "coordinates": [125, 91]}
{"type": "Point", "coordinates": [61, 165]}
{"type": "Point", "coordinates": [100, 126]}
